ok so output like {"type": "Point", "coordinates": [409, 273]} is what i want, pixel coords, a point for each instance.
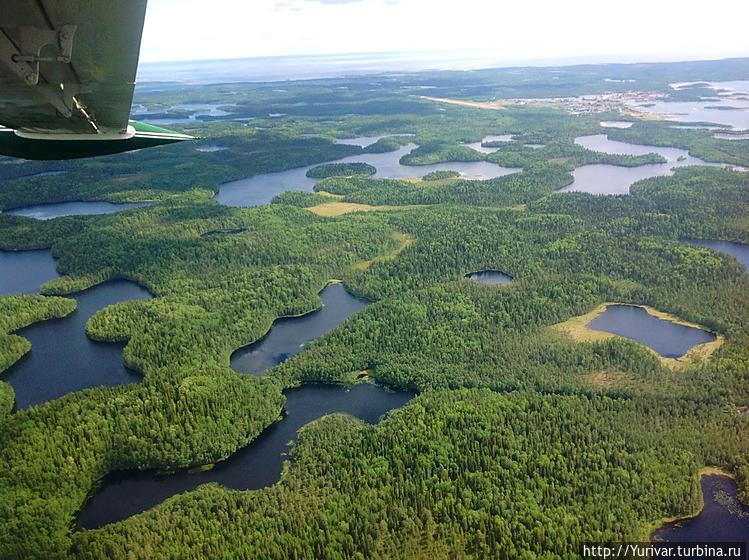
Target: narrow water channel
{"type": "Point", "coordinates": [289, 335]}
{"type": "Point", "coordinates": [258, 190]}
{"type": "Point", "coordinates": [256, 466]}
{"type": "Point", "coordinates": [59, 210]}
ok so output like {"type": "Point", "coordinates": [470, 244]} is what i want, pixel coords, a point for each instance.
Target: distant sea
{"type": "Point", "coordinates": [282, 68]}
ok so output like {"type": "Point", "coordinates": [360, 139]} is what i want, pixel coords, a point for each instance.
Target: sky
{"type": "Point", "coordinates": [519, 30]}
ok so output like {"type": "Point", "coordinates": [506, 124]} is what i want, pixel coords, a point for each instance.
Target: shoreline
{"type": "Point", "coordinates": [329, 282]}
{"type": "Point", "coordinates": [577, 329]}
{"type": "Point", "coordinates": [13, 211]}
{"type": "Point", "coordinates": [652, 527]}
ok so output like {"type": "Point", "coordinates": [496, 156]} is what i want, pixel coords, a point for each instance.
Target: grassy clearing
{"type": "Point", "coordinates": [334, 209]}
{"type": "Point", "coordinates": [607, 380]}
{"type": "Point", "coordinates": [403, 240]}
{"type": "Point", "coordinates": [329, 194]}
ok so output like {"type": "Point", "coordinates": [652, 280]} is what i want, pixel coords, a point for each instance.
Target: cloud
{"type": "Point", "coordinates": [186, 30]}
{"type": "Point", "coordinates": [301, 4]}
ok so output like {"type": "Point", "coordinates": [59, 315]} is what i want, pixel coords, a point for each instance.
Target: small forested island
{"type": "Point", "coordinates": [517, 433]}
{"type": "Point", "coordinates": [441, 175]}
{"type": "Point", "coordinates": [355, 169]}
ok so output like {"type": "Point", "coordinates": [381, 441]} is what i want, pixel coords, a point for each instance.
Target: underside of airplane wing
{"type": "Point", "coordinates": [67, 74]}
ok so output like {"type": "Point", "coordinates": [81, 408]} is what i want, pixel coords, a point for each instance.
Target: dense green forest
{"type": "Point", "coordinates": [521, 443]}
{"type": "Point", "coordinates": [440, 175]}
{"type": "Point", "coordinates": [700, 143]}
{"type": "Point", "coordinates": [341, 170]}
{"type": "Point", "coordinates": [458, 474]}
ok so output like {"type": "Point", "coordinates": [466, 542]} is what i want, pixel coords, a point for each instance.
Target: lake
{"type": "Point", "coordinates": [63, 359]}
{"type": "Point", "coordinates": [199, 109]}
{"type": "Point", "coordinates": [615, 179]}
{"type": "Point", "coordinates": [737, 250]}
{"type": "Point", "coordinates": [695, 127]}
{"type": "Point", "coordinates": [702, 111]}
{"type": "Point", "coordinates": [725, 136]}
{"type": "Point", "coordinates": [712, 110]}
{"type": "Point", "coordinates": [669, 339]}
{"type": "Point", "coordinates": [491, 277]}
{"type": "Point", "coordinates": [209, 149]}
{"type": "Point", "coordinates": [288, 335]}
{"type": "Point", "coordinates": [260, 189]}
{"type": "Point", "coordinates": [616, 124]}
{"type": "Point", "coordinates": [487, 150]}
{"type": "Point", "coordinates": [364, 141]}
{"type": "Point", "coordinates": [58, 210]}
{"type": "Point", "coordinates": [195, 109]}
{"type": "Point", "coordinates": [44, 174]}
{"type": "Point", "coordinates": [255, 466]}
{"type": "Point", "coordinates": [722, 519]}
{"type": "Point", "coordinates": [24, 272]}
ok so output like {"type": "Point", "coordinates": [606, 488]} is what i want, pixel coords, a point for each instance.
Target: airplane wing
{"type": "Point", "coordinates": [67, 72]}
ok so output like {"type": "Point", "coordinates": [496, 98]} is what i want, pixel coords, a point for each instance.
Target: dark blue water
{"type": "Point", "coordinates": [23, 272]}
{"type": "Point", "coordinates": [63, 359]}
{"type": "Point", "coordinates": [491, 277]}
{"type": "Point", "coordinates": [737, 250]}
{"type": "Point", "coordinates": [723, 518]}
{"type": "Point", "coordinates": [51, 211]}
{"type": "Point", "coordinates": [668, 339]}
{"type": "Point", "coordinates": [256, 466]}
{"type": "Point", "coordinates": [288, 335]}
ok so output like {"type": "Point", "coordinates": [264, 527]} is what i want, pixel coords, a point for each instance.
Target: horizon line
{"type": "Point", "coordinates": [511, 63]}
